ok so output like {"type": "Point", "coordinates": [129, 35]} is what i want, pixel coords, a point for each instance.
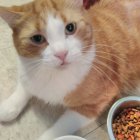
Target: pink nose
{"type": "Point", "coordinates": [61, 55]}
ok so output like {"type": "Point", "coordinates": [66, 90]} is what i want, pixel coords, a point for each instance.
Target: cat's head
{"type": "Point", "coordinates": [55, 31]}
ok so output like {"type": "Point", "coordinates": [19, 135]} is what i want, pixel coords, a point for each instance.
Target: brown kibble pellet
{"type": "Point", "coordinates": [126, 126]}
{"type": "Point", "coordinates": [136, 129]}
{"type": "Point", "coordinates": [120, 136]}
{"type": "Point", "coordinates": [135, 120]}
{"type": "Point", "coordinates": [132, 113]}
{"type": "Point", "coordinates": [130, 124]}
{"type": "Point", "coordinates": [114, 126]}
{"type": "Point", "coordinates": [132, 117]}
{"type": "Point", "coordinates": [132, 137]}
{"type": "Point", "coordinates": [126, 135]}
{"type": "Point", "coordinates": [138, 134]}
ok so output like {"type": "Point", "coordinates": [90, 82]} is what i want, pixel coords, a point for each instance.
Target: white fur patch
{"type": "Point", "coordinates": [55, 29]}
{"type": "Point", "coordinates": [44, 78]}
{"type": "Point", "coordinates": [12, 107]}
{"type": "Point", "coordinates": [68, 123]}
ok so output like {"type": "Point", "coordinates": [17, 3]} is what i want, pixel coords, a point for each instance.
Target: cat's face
{"type": "Point", "coordinates": [55, 32]}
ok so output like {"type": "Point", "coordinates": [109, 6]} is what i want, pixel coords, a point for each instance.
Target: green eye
{"type": "Point", "coordinates": [70, 28]}
{"type": "Point", "coordinates": [38, 39]}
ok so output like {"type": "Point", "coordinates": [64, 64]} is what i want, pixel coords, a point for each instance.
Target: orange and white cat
{"type": "Point", "coordinates": [80, 59]}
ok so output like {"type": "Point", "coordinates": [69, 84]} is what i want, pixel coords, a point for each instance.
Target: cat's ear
{"type": "Point", "coordinates": [10, 15]}
{"type": "Point", "coordinates": [14, 13]}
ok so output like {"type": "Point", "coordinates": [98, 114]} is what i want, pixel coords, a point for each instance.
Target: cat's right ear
{"type": "Point", "coordinates": [10, 16]}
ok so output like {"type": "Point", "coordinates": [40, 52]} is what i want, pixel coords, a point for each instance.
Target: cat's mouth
{"type": "Point", "coordinates": [64, 64]}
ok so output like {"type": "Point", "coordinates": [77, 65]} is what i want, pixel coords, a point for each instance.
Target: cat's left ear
{"type": "Point", "coordinates": [10, 16]}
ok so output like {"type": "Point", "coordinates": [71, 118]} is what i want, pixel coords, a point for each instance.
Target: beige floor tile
{"type": "Point", "coordinates": [98, 134]}
{"type": "Point", "coordinates": [90, 128]}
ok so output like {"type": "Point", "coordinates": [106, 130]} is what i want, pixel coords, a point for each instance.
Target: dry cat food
{"type": "Point", "coordinates": [126, 126]}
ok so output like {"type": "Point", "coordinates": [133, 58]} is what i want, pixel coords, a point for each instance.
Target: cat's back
{"type": "Point", "coordinates": [114, 13]}
{"type": "Point", "coordinates": [129, 11]}
{"type": "Point", "coordinates": [117, 23]}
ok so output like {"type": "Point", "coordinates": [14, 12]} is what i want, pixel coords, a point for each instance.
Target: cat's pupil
{"type": "Point", "coordinates": [38, 39]}
{"type": "Point", "coordinates": [70, 28]}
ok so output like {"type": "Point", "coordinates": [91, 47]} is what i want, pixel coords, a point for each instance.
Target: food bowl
{"type": "Point", "coordinates": [131, 101]}
{"type": "Point", "coordinates": [70, 138]}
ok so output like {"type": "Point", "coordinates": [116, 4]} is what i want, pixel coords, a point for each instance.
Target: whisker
{"type": "Point", "coordinates": [108, 59]}
{"type": "Point", "coordinates": [105, 45]}
{"type": "Point", "coordinates": [98, 46]}
{"type": "Point", "coordinates": [92, 66]}
{"type": "Point", "coordinates": [28, 64]}
{"type": "Point", "coordinates": [126, 80]}
{"type": "Point", "coordinates": [120, 58]}
{"type": "Point", "coordinates": [29, 70]}
{"type": "Point", "coordinates": [109, 68]}
{"type": "Point", "coordinates": [96, 68]}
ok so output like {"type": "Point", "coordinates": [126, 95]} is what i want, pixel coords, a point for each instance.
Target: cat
{"type": "Point", "coordinates": [80, 59]}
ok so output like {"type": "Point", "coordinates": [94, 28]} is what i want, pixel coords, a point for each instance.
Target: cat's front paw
{"type": "Point", "coordinates": [8, 111]}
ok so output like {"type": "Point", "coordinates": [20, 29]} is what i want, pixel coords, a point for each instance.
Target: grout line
{"type": "Point", "coordinates": [94, 129]}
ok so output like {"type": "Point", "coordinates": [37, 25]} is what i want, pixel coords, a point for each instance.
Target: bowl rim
{"type": "Point", "coordinates": [70, 136]}
{"type": "Point", "coordinates": [112, 110]}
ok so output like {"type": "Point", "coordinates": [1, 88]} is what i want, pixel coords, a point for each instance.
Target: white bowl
{"type": "Point", "coordinates": [70, 138]}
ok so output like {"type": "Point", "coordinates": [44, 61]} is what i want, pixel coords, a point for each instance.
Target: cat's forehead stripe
{"type": "Point", "coordinates": [55, 28]}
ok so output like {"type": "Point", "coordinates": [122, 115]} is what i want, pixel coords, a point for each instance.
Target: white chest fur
{"type": "Point", "coordinates": [52, 84]}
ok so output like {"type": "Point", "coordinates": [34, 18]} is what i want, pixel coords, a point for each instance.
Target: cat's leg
{"type": "Point", "coordinates": [12, 107]}
{"type": "Point", "coordinates": [68, 124]}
